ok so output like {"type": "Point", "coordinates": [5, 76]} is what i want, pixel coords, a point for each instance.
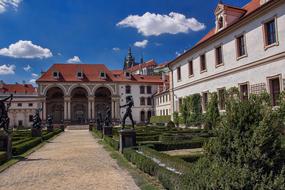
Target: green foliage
{"type": "Point", "coordinates": [212, 116]}
{"type": "Point", "coordinates": [171, 124]}
{"type": "Point", "coordinates": [112, 142]}
{"type": "Point", "coordinates": [160, 119]}
{"type": "Point", "coordinates": [176, 118]}
{"type": "Point", "coordinates": [3, 157]}
{"type": "Point", "coordinates": [23, 147]}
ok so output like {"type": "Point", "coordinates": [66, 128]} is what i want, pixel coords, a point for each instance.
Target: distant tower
{"type": "Point", "coordinates": [129, 60]}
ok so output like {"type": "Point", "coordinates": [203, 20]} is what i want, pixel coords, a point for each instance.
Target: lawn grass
{"type": "Point", "coordinates": [143, 181]}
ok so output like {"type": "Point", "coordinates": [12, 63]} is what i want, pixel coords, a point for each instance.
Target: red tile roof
{"type": "Point", "coordinates": [147, 64]}
{"type": "Point", "coordinates": [17, 88]}
{"type": "Point", "coordinates": [68, 73]}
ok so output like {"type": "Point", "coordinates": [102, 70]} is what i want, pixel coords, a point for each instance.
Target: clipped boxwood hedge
{"type": "Point", "coordinates": [160, 119]}
{"type": "Point", "coordinates": [3, 157]}
{"type": "Point", "coordinates": [23, 147]}
{"type": "Point", "coordinates": [112, 142]}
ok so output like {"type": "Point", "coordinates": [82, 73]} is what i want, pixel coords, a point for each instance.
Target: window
{"type": "Point", "coordinates": [270, 32]}
{"type": "Point", "coordinates": [142, 89]}
{"type": "Point", "coordinates": [20, 123]}
{"type": "Point", "coordinates": [128, 74]}
{"type": "Point", "coordinates": [219, 56]}
{"type": "Point", "coordinates": [178, 73]}
{"type": "Point", "coordinates": [243, 91]}
{"type": "Point", "coordinates": [149, 114]}
{"type": "Point", "coordinates": [102, 75]}
{"type": "Point", "coordinates": [203, 65]}
{"type": "Point", "coordinates": [274, 85]}
{"type": "Point", "coordinates": [31, 104]}
{"type": "Point", "coordinates": [142, 116]}
{"type": "Point", "coordinates": [240, 41]}
{"type": "Point", "coordinates": [149, 101]}
{"type": "Point", "coordinates": [220, 23]}
{"type": "Point", "coordinates": [128, 89]}
{"type": "Point", "coordinates": [55, 74]}
{"type": "Point", "coordinates": [160, 112]}
{"type": "Point", "coordinates": [148, 89]}
{"type": "Point", "coordinates": [30, 118]}
{"type": "Point", "coordinates": [180, 101]}
{"type": "Point", "coordinates": [79, 75]}
{"type": "Point", "coordinates": [163, 100]}
{"type": "Point", "coordinates": [166, 111]}
{"type": "Point", "coordinates": [205, 100]}
{"type": "Point", "coordinates": [142, 101]}
{"type": "Point", "coordinates": [19, 105]}
{"type": "Point", "coordinates": [190, 68]}
{"type": "Point", "coordinates": [222, 98]}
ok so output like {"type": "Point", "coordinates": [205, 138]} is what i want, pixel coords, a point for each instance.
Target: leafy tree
{"type": "Point", "coordinates": [212, 116]}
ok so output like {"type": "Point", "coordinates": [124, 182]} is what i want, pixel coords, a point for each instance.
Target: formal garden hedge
{"type": "Point", "coordinates": [3, 157]}
{"type": "Point", "coordinates": [160, 119]}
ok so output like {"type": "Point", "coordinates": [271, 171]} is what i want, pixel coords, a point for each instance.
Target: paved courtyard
{"type": "Point", "coordinates": [74, 160]}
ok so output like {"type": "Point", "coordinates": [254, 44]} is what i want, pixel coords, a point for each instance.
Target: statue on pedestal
{"type": "Point", "coordinates": [99, 121]}
{"type": "Point", "coordinates": [49, 123]}
{"type": "Point", "coordinates": [4, 119]}
{"type": "Point", "coordinates": [37, 121]}
{"type": "Point", "coordinates": [129, 105]}
{"type": "Point", "coordinates": [108, 117]}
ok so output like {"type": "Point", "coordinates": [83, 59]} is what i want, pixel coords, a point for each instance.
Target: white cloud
{"type": "Point", "coordinates": [141, 44]}
{"type": "Point", "coordinates": [7, 69]}
{"type": "Point", "coordinates": [25, 49]}
{"type": "Point", "coordinates": [33, 81]}
{"type": "Point", "coordinates": [116, 49]}
{"type": "Point", "coordinates": [4, 4]}
{"type": "Point", "coordinates": [74, 59]}
{"type": "Point", "coordinates": [34, 75]}
{"type": "Point", "coordinates": [27, 68]}
{"type": "Point", "coordinates": [156, 24]}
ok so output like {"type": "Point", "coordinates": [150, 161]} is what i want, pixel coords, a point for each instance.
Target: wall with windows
{"type": "Point", "coordinates": [143, 100]}
{"type": "Point", "coordinates": [162, 104]}
{"type": "Point", "coordinates": [228, 64]}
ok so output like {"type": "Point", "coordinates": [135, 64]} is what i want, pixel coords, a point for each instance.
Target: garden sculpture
{"type": "Point", "coordinates": [129, 105]}
{"type": "Point", "coordinates": [4, 119]}
{"type": "Point", "coordinates": [37, 121]}
{"type": "Point", "coordinates": [49, 122]}
{"type": "Point", "coordinates": [108, 117]}
{"type": "Point", "coordinates": [99, 120]}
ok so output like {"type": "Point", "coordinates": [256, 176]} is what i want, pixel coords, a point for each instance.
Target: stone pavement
{"type": "Point", "coordinates": [72, 161]}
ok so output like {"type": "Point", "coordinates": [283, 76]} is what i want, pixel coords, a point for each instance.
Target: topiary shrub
{"type": "Point", "coordinates": [171, 124]}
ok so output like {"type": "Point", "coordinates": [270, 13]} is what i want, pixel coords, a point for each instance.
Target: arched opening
{"type": "Point", "coordinates": [54, 104]}
{"type": "Point", "coordinates": [149, 114]}
{"type": "Point", "coordinates": [79, 106]}
{"type": "Point", "coordinates": [142, 116]}
{"type": "Point", "coordinates": [103, 98]}
{"type": "Point", "coordinates": [220, 23]}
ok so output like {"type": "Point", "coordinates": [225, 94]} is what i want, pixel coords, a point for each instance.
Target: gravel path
{"type": "Point", "coordinates": [72, 161]}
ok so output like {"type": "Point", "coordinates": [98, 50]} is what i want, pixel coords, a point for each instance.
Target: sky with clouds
{"type": "Point", "coordinates": [35, 34]}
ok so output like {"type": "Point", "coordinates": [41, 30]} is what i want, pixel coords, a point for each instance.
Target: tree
{"type": "Point", "coordinates": [212, 115]}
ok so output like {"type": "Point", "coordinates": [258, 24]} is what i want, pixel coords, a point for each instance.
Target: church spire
{"type": "Point", "coordinates": [129, 60]}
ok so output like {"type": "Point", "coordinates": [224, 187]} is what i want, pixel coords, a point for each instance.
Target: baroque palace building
{"type": "Point", "coordinates": [246, 49]}
{"type": "Point", "coordinates": [76, 93]}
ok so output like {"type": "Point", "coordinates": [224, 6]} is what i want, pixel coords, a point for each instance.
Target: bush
{"type": "Point", "coordinates": [50, 135]}
{"type": "Point", "coordinates": [21, 148]}
{"type": "Point", "coordinates": [3, 157]}
{"type": "Point", "coordinates": [171, 124]}
{"type": "Point", "coordinates": [160, 119]}
{"type": "Point", "coordinates": [212, 115]}
{"type": "Point", "coordinates": [112, 142]}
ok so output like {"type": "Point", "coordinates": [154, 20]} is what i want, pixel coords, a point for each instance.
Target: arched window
{"type": "Point", "coordinates": [142, 101]}
{"type": "Point", "coordinates": [142, 116]}
{"type": "Point", "coordinates": [149, 101]}
{"type": "Point", "coordinates": [149, 114]}
{"type": "Point", "coordinates": [128, 89]}
{"type": "Point", "coordinates": [220, 23]}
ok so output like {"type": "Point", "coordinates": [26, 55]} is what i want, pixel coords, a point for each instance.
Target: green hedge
{"type": "Point", "coordinates": [112, 142]}
{"type": "Point", "coordinates": [196, 142]}
{"type": "Point", "coordinates": [160, 119]}
{"type": "Point", "coordinates": [3, 157]}
{"type": "Point", "coordinates": [189, 158]}
{"type": "Point", "coordinates": [50, 135]}
{"type": "Point", "coordinates": [170, 180]}
{"type": "Point", "coordinates": [21, 148]}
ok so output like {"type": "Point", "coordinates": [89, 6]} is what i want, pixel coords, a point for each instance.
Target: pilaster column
{"type": "Point", "coordinates": [67, 113]}
{"type": "Point", "coordinates": [90, 107]}
{"type": "Point", "coordinates": [44, 109]}
{"type": "Point", "coordinates": [115, 107]}
{"type": "Point", "coordinates": [93, 108]}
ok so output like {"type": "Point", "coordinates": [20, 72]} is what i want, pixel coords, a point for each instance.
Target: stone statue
{"type": "Point", "coordinates": [37, 121]}
{"type": "Point", "coordinates": [108, 117]}
{"type": "Point", "coordinates": [4, 119]}
{"type": "Point", "coordinates": [99, 121]}
{"type": "Point", "coordinates": [129, 105]}
{"type": "Point", "coordinates": [49, 123]}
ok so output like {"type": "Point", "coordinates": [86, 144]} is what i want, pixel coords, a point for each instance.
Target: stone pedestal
{"type": "Point", "coordinates": [127, 138]}
{"type": "Point", "coordinates": [6, 145]}
{"type": "Point", "coordinates": [36, 132]}
{"type": "Point", "coordinates": [50, 128]}
{"type": "Point", "coordinates": [108, 131]}
{"type": "Point", "coordinates": [99, 127]}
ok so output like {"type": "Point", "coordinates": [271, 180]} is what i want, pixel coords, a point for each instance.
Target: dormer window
{"type": "Point", "coordinates": [102, 75]}
{"type": "Point", "coordinates": [80, 75]}
{"type": "Point", "coordinates": [55, 74]}
{"type": "Point", "coordinates": [220, 23]}
{"type": "Point", "coordinates": [127, 74]}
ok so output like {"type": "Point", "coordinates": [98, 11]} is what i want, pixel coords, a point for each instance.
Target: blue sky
{"type": "Point", "coordinates": [38, 33]}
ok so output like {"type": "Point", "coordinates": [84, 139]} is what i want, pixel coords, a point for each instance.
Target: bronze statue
{"type": "Point", "coordinates": [37, 121]}
{"type": "Point", "coordinates": [108, 117]}
{"type": "Point", "coordinates": [4, 119]}
{"type": "Point", "coordinates": [129, 105]}
{"type": "Point", "coordinates": [49, 122]}
{"type": "Point", "coordinates": [99, 121]}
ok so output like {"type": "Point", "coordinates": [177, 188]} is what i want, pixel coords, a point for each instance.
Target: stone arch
{"type": "Point", "coordinates": [104, 86]}
{"type": "Point", "coordinates": [79, 105]}
{"type": "Point", "coordinates": [47, 88]}
{"type": "Point", "coordinates": [55, 104]}
{"type": "Point", "coordinates": [79, 85]}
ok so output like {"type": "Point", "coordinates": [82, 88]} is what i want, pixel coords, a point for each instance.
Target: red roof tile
{"type": "Point", "coordinates": [143, 65]}
{"type": "Point", "coordinates": [68, 73]}
{"type": "Point", "coordinates": [17, 88]}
